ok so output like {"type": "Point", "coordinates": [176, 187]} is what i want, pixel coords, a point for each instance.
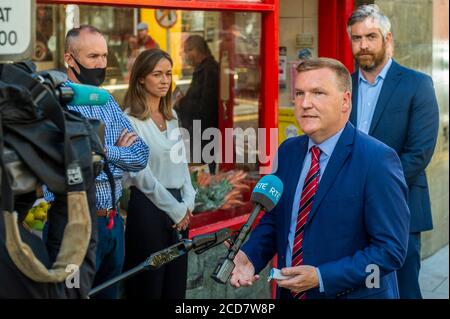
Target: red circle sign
{"type": "Point", "coordinates": [166, 18]}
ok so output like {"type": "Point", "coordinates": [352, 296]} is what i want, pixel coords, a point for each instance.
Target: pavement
{"type": "Point", "coordinates": [433, 276]}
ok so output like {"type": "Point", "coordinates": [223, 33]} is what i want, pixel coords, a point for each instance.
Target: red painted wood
{"type": "Point", "coordinates": [332, 28]}
{"type": "Point", "coordinates": [233, 223]}
{"type": "Point", "coordinates": [268, 106]}
{"type": "Point", "coordinates": [344, 46]}
{"type": "Point", "coordinates": [327, 30]}
{"type": "Point", "coordinates": [176, 4]}
{"type": "Point", "coordinates": [273, 283]}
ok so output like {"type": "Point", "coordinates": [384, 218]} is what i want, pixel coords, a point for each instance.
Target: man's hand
{"type": "Point", "coordinates": [304, 278]}
{"type": "Point", "coordinates": [243, 273]}
{"type": "Point", "coordinates": [126, 138]}
{"type": "Point", "coordinates": [184, 223]}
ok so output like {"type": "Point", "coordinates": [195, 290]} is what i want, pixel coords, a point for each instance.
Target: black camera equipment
{"type": "Point", "coordinates": [42, 142]}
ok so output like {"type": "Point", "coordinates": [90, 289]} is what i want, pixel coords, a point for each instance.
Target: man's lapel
{"type": "Point", "coordinates": [334, 166]}
{"type": "Point", "coordinates": [389, 85]}
{"type": "Point", "coordinates": [355, 86]}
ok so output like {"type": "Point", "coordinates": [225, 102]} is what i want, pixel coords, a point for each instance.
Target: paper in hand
{"type": "Point", "coordinates": [276, 274]}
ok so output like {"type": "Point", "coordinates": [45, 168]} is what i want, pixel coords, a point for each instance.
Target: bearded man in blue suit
{"type": "Point", "coordinates": [343, 217]}
{"type": "Point", "coordinates": [397, 106]}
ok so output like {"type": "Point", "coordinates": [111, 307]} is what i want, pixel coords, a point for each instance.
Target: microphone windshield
{"type": "Point", "coordinates": [267, 192]}
{"type": "Point", "coordinates": [87, 94]}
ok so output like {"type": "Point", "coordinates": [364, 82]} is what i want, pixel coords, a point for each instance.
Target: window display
{"type": "Point", "coordinates": [233, 40]}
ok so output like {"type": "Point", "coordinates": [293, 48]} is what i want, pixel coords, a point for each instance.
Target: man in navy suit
{"type": "Point", "coordinates": [397, 106]}
{"type": "Point", "coordinates": [341, 226]}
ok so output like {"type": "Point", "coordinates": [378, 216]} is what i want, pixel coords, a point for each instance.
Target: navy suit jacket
{"type": "Point", "coordinates": [359, 217]}
{"type": "Point", "coordinates": [406, 118]}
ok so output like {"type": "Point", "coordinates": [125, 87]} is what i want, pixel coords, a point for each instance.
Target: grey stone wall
{"type": "Point", "coordinates": [418, 27]}
{"type": "Point", "coordinates": [201, 286]}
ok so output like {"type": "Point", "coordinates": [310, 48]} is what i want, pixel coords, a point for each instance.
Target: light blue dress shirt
{"type": "Point", "coordinates": [368, 94]}
{"type": "Point", "coordinates": [326, 149]}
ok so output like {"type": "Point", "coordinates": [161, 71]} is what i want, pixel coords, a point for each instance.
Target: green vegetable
{"type": "Point", "coordinates": [212, 197]}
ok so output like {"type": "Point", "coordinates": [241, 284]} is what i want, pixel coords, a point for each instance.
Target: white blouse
{"type": "Point", "coordinates": [167, 168]}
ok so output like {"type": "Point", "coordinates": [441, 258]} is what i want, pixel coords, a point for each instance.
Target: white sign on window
{"type": "Point", "coordinates": [17, 28]}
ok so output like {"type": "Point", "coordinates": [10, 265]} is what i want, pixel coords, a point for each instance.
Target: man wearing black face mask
{"type": "Point", "coordinates": [94, 76]}
{"type": "Point", "coordinates": [86, 56]}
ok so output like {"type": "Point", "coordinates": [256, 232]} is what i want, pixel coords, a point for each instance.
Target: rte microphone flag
{"type": "Point", "coordinates": [267, 192]}
{"type": "Point", "coordinates": [265, 195]}
{"type": "Point", "coordinates": [87, 94]}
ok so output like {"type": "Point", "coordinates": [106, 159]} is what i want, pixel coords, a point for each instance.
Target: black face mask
{"type": "Point", "coordinates": [94, 76]}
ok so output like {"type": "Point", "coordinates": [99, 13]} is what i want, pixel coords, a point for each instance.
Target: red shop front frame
{"type": "Point", "coordinates": [332, 42]}
{"type": "Point", "coordinates": [268, 101]}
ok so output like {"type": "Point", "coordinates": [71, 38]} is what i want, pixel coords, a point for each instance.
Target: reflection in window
{"type": "Point", "coordinates": [233, 38]}
{"type": "Point", "coordinates": [114, 23]}
{"type": "Point", "coordinates": [44, 33]}
{"type": "Point", "coordinates": [45, 52]}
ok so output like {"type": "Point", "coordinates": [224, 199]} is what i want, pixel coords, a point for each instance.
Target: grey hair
{"type": "Point", "coordinates": [74, 33]}
{"type": "Point", "coordinates": [370, 11]}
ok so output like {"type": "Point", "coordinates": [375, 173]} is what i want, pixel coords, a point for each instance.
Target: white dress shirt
{"type": "Point", "coordinates": [167, 168]}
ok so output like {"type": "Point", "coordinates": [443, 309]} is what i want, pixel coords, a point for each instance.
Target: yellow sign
{"type": "Point", "coordinates": [169, 40]}
{"type": "Point", "coordinates": [287, 124]}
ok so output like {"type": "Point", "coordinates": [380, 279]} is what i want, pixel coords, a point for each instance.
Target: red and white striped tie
{"type": "Point", "coordinates": [306, 201]}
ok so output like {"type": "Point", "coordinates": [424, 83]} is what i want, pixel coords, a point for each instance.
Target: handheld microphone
{"type": "Point", "coordinates": [81, 94]}
{"type": "Point", "coordinates": [266, 195]}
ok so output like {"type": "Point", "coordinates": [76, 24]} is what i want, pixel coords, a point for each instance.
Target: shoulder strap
{"type": "Point", "coordinates": [46, 101]}
{"type": "Point", "coordinates": [6, 191]}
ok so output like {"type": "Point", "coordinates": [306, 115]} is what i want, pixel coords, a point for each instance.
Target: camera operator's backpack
{"type": "Point", "coordinates": [43, 143]}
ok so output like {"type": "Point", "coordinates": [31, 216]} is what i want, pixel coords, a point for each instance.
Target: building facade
{"type": "Point", "coordinates": [253, 41]}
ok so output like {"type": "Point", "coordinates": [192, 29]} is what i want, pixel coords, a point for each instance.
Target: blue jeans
{"type": "Point", "coordinates": [110, 255]}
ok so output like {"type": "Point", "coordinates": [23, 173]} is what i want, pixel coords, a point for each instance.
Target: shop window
{"type": "Point", "coordinates": [117, 25]}
{"type": "Point", "coordinates": [46, 48]}
{"type": "Point", "coordinates": [234, 39]}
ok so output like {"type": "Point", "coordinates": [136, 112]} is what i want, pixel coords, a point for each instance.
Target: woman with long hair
{"type": "Point", "coordinates": [161, 196]}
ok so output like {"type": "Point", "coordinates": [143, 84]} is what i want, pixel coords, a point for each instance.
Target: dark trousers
{"type": "Point", "coordinates": [149, 230]}
{"type": "Point", "coordinates": [110, 255]}
{"type": "Point", "coordinates": [285, 294]}
{"type": "Point", "coordinates": [408, 275]}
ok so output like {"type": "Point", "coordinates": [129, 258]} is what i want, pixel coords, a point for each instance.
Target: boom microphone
{"type": "Point", "coordinates": [160, 258]}
{"type": "Point", "coordinates": [266, 195]}
{"type": "Point", "coordinates": [202, 243]}
{"type": "Point", "coordinates": [69, 92]}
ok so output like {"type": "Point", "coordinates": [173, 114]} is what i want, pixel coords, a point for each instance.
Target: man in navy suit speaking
{"type": "Point", "coordinates": [397, 106]}
{"type": "Point", "coordinates": [341, 226]}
